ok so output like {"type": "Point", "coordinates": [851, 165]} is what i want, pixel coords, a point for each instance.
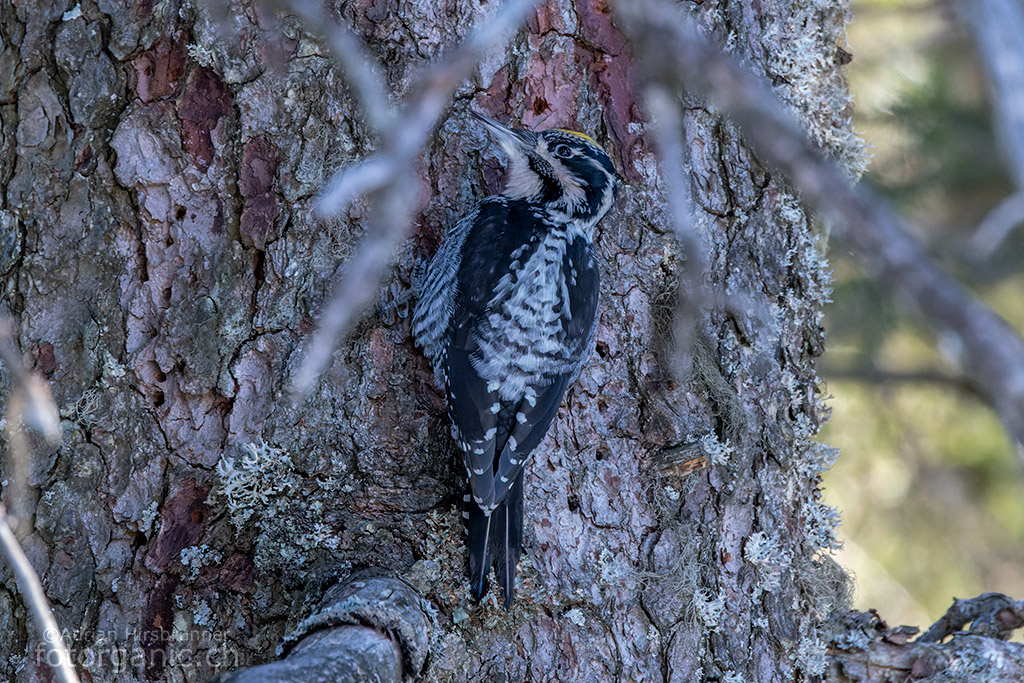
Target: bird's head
{"type": "Point", "coordinates": [563, 170]}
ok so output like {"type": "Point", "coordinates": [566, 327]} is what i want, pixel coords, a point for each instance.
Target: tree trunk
{"type": "Point", "coordinates": [160, 163]}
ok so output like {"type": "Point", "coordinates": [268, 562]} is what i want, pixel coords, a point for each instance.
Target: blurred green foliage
{"type": "Point", "coordinates": [928, 483]}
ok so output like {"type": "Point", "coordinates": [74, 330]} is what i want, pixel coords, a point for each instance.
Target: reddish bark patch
{"type": "Point", "coordinates": [546, 89]}
{"type": "Point", "coordinates": [493, 100]}
{"type": "Point", "coordinates": [259, 216]}
{"type": "Point", "coordinates": [85, 160]}
{"type": "Point", "coordinates": [261, 208]}
{"type": "Point", "coordinates": [613, 78]}
{"type": "Point", "coordinates": [206, 100]}
{"type": "Point", "coordinates": [181, 524]}
{"type": "Point", "coordinates": [158, 70]}
{"type": "Point", "coordinates": [63, 560]}
{"type": "Point", "coordinates": [259, 165]}
{"type": "Point", "coordinates": [143, 9]}
{"type": "Point", "coordinates": [238, 574]}
{"type": "Point", "coordinates": [546, 17]}
{"type": "Point", "coordinates": [597, 27]}
{"type": "Point", "coordinates": [46, 362]}
{"type": "Point", "coordinates": [157, 621]}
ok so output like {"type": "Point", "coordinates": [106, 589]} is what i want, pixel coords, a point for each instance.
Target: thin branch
{"type": "Point", "coordinates": [29, 404]}
{"type": "Point", "coordinates": [694, 293]}
{"type": "Point", "coordinates": [358, 279]}
{"type": "Point", "coordinates": [358, 66]}
{"type": "Point", "coordinates": [57, 654]}
{"type": "Point", "coordinates": [666, 123]}
{"type": "Point", "coordinates": [36, 407]}
{"type": "Point", "coordinates": [991, 353]}
{"type": "Point", "coordinates": [998, 27]}
{"type": "Point", "coordinates": [997, 225]}
{"type": "Point", "coordinates": [871, 373]}
{"type": "Point", "coordinates": [363, 178]}
{"type": "Point", "coordinates": [389, 175]}
{"type": "Point", "coordinates": [884, 662]}
{"type": "Point", "coordinates": [404, 140]}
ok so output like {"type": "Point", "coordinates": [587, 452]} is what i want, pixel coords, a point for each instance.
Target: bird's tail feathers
{"type": "Point", "coordinates": [496, 539]}
{"type": "Point", "coordinates": [507, 543]}
{"type": "Point", "coordinates": [479, 527]}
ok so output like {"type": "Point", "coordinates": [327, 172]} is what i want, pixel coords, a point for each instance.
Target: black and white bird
{"type": "Point", "coordinates": [506, 315]}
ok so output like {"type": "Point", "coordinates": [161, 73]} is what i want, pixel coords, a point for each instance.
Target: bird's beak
{"type": "Point", "coordinates": [513, 142]}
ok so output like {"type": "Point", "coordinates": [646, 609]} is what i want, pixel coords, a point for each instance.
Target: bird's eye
{"type": "Point", "coordinates": [562, 151]}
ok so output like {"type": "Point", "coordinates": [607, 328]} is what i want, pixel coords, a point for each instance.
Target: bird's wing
{"type": "Point", "coordinates": [435, 296]}
{"type": "Point", "coordinates": [529, 423]}
{"type": "Point", "coordinates": [580, 318]}
{"type": "Point", "coordinates": [473, 402]}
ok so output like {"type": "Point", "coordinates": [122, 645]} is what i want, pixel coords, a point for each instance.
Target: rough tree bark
{"type": "Point", "coordinates": [160, 161]}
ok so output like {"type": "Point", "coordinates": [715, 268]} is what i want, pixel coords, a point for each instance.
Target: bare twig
{"type": "Point", "coordinates": [695, 294]}
{"type": "Point", "coordinates": [871, 373]}
{"type": "Point", "coordinates": [29, 405]}
{"type": "Point", "coordinates": [389, 176]}
{"type": "Point", "coordinates": [360, 69]}
{"type": "Point", "coordinates": [997, 225]}
{"type": "Point", "coordinates": [57, 654]}
{"type": "Point", "coordinates": [998, 28]}
{"type": "Point", "coordinates": [363, 178]}
{"type": "Point", "coordinates": [405, 139]}
{"type": "Point", "coordinates": [990, 352]}
{"type": "Point", "coordinates": [358, 279]}
{"type": "Point", "coordinates": [35, 405]}
{"type": "Point", "coordinates": [666, 123]}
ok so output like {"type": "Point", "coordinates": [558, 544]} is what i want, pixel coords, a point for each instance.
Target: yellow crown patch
{"type": "Point", "coordinates": [577, 133]}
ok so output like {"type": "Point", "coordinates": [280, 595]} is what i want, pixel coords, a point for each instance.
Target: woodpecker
{"type": "Point", "coordinates": [505, 313]}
